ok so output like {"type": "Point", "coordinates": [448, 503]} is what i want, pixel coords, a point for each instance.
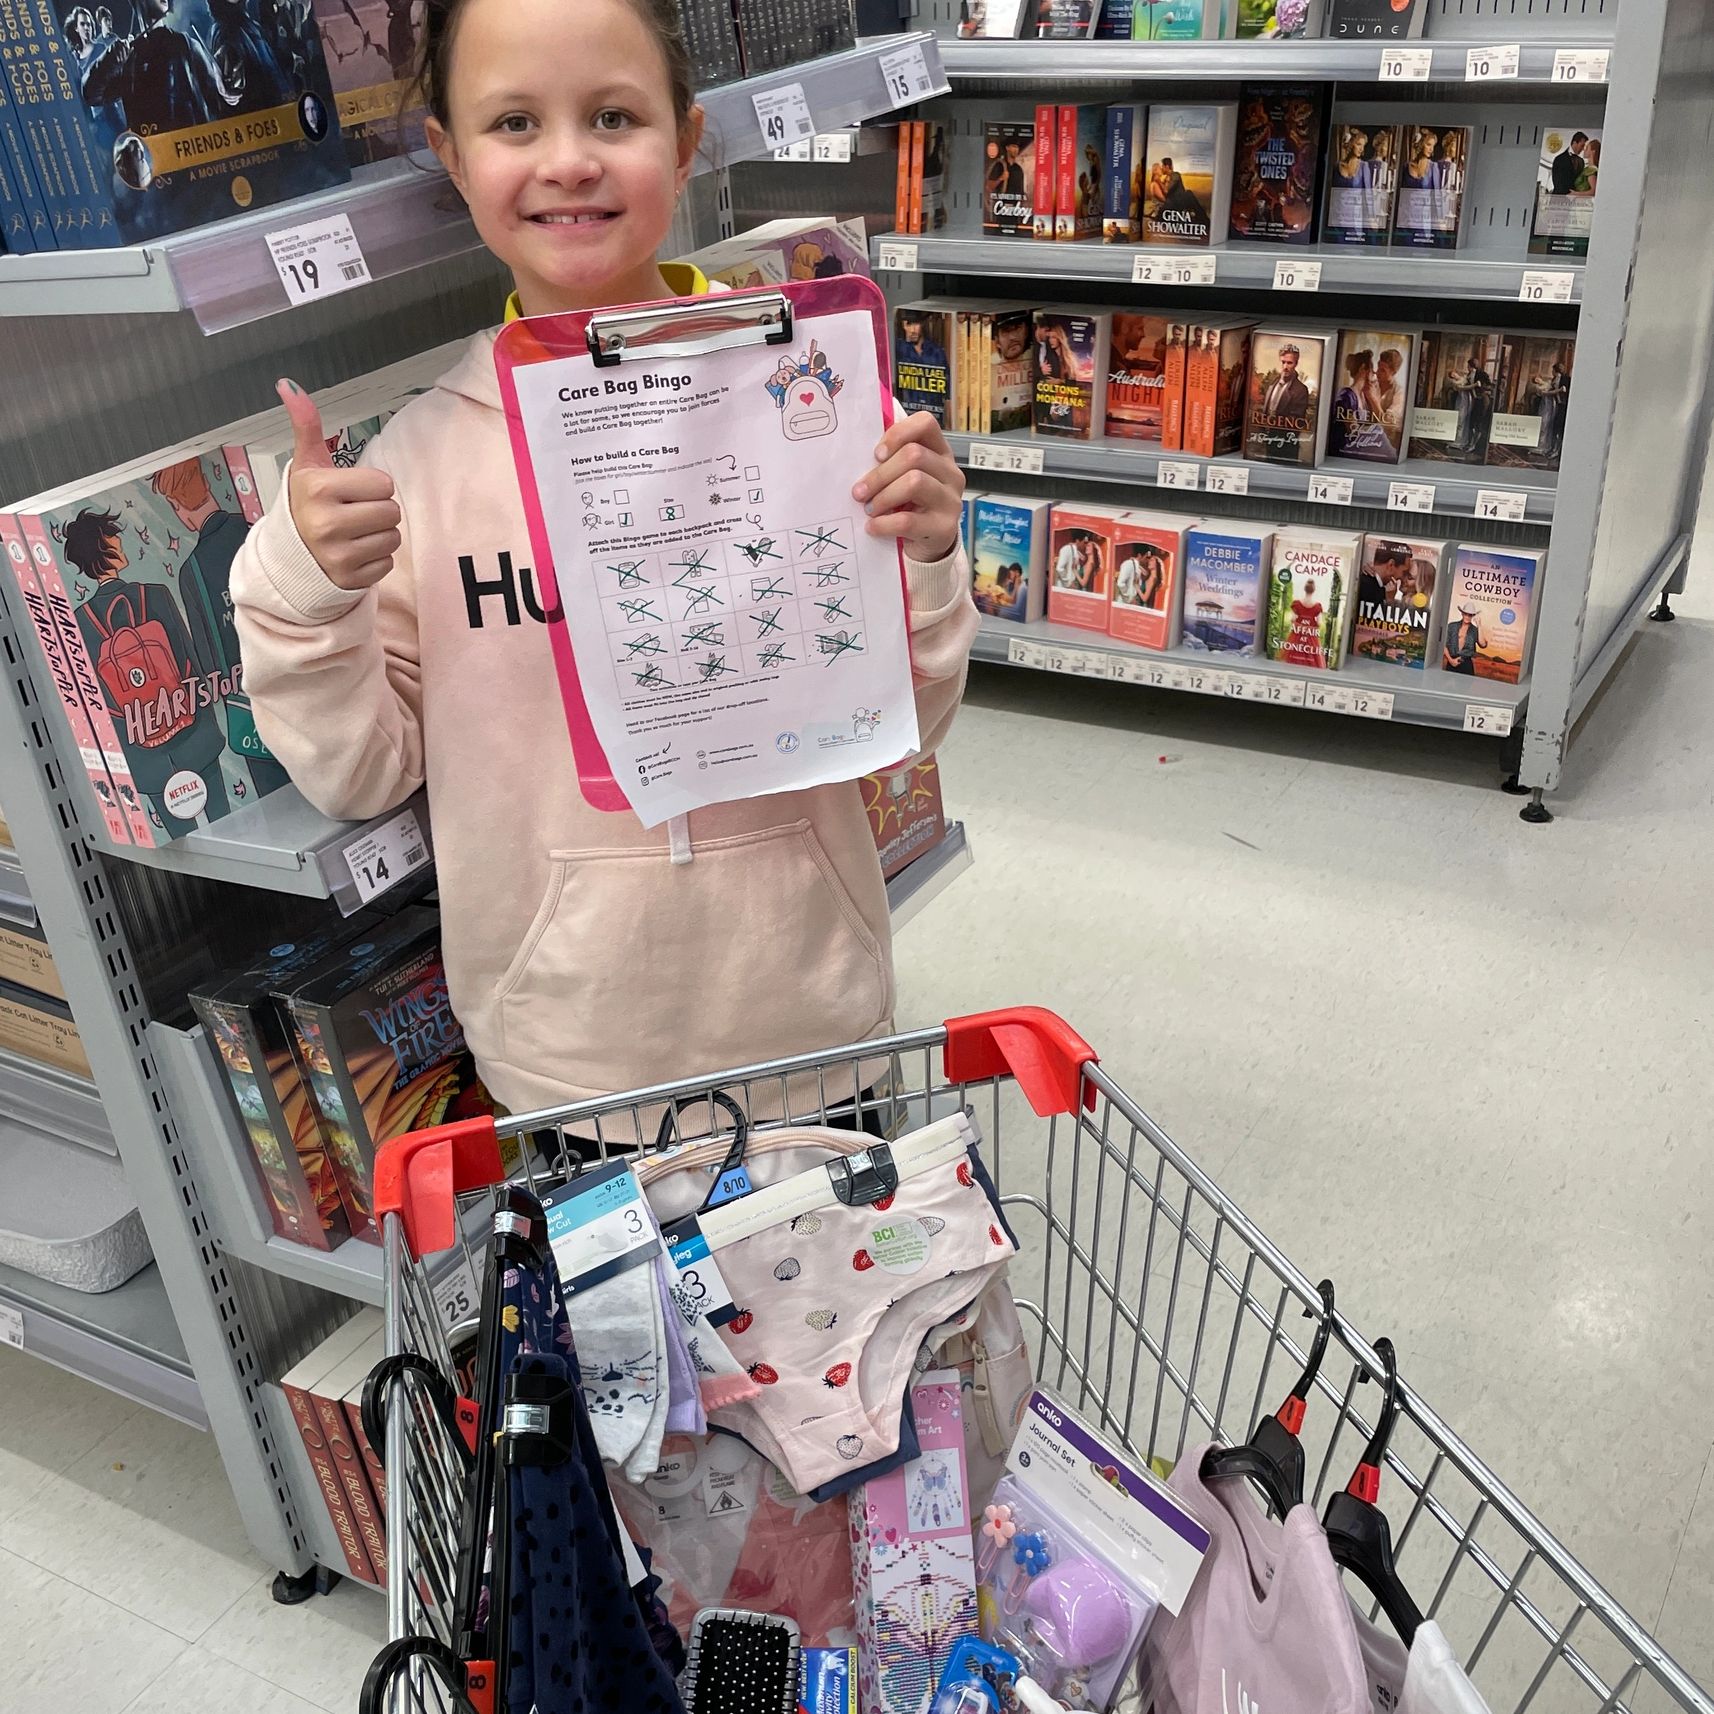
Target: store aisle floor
{"type": "Point", "coordinates": [1449, 1059]}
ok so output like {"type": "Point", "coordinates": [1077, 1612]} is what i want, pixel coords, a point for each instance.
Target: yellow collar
{"type": "Point", "coordinates": [684, 280]}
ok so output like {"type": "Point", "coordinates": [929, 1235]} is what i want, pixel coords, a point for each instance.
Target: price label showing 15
{"type": "Point", "coordinates": [906, 73]}
{"type": "Point", "coordinates": [318, 259]}
{"type": "Point", "coordinates": [783, 114]}
{"type": "Point", "coordinates": [1293, 276]}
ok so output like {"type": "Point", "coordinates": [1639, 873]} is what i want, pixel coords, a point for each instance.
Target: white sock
{"type": "Point", "coordinates": [621, 1350]}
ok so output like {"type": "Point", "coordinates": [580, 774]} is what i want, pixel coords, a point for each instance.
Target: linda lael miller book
{"type": "Point", "coordinates": [1276, 163]}
{"type": "Point", "coordinates": [144, 569]}
{"type": "Point", "coordinates": [923, 344]}
{"type": "Point", "coordinates": [1565, 181]}
{"type": "Point", "coordinates": [1309, 597]}
{"type": "Point", "coordinates": [174, 113]}
{"type": "Point", "coordinates": [1401, 589]}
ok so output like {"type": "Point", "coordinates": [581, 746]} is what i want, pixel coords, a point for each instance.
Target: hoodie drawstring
{"type": "Point", "coordinates": [678, 839]}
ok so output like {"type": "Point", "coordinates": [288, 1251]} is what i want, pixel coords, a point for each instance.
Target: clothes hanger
{"type": "Point", "coordinates": [1357, 1529]}
{"type": "Point", "coordinates": [1273, 1457]}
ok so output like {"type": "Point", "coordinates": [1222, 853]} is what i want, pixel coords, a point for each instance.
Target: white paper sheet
{"type": "Point", "coordinates": [736, 630]}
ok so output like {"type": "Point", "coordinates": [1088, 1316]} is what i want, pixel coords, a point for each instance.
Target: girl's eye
{"type": "Point", "coordinates": [612, 119]}
{"type": "Point", "coordinates": [513, 124]}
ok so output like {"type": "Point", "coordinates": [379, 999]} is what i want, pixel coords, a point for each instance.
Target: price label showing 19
{"type": "Point", "coordinates": [318, 259]}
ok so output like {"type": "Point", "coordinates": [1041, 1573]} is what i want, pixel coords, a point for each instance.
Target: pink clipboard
{"type": "Point", "coordinates": [669, 327]}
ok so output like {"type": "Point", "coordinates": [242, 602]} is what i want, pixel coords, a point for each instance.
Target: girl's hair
{"type": "Point", "coordinates": [440, 30]}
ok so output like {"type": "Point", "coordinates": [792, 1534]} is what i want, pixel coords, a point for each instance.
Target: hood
{"type": "Point", "coordinates": [474, 377]}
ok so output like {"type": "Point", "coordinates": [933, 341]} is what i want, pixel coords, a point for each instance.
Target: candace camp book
{"type": "Point", "coordinates": [1535, 387]}
{"type": "Point", "coordinates": [1285, 419]}
{"type": "Point", "coordinates": [1072, 349]}
{"type": "Point", "coordinates": [157, 117]}
{"type": "Point", "coordinates": [1371, 399]}
{"type": "Point", "coordinates": [1008, 175]}
{"type": "Point", "coordinates": [1490, 612]}
{"type": "Point", "coordinates": [1276, 163]}
{"type": "Point", "coordinates": [1226, 569]}
{"type": "Point", "coordinates": [1189, 182]}
{"type": "Point", "coordinates": [1136, 375]}
{"type": "Point", "coordinates": [1400, 585]}
{"type": "Point", "coordinates": [1362, 180]}
{"type": "Point", "coordinates": [371, 51]}
{"type": "Point", "coordinates": [1565, 191]}
{"type": "Point", "coordinates": [1008, 555]}
{"type": "Point", "coordinates": [1428, 208]}
{"type": "Point", "coordinates": [1457, 381]}
{"type": "Point", "coordinates": [1309, 596]}
{"type": "Point", "coordinates": [923, 358]}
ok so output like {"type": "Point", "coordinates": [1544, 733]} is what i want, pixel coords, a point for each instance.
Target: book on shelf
{"type": "Point", "coordinates": [910, 142]}
{"type": "Point", "coordinates": [1044, 185]}
{"type": "Point", "coordinates": [807, 247]}
{"type": "Point", "coordinates": [1173, 381]}
{"type": "Point", "coordinates": [1277, 162]}
{"type": "Point", "coordinates": [1372, 391]}
{"type": "Point", "coordinates": [1148, 566]}
{"type": "Point", "coordinates": [1457, 384]}
{"type": "Point", "coordinates": [1564, 207]}
{"type": "Point", "coordinates": [1065, 20]}
{"type": "Point", "coordinates": [27, 961]}
{"type": "Point", "coordinates": [1003, 18]}
{"type": "Point", "coordinates": [1071, 355]}
{"type": "Point", "coordinates": [1174, 20]}
{"type": "Point", "coordinates": [1008, 555]}
{"type": "Point", "coordinates": [1124, 156]}
{"type": "Point", "coordinates": [1009, 157]}
{"type": "Point", "coordinates": [1286, 411]}
{"type": "Point", "coordinates": [1362, 181]}
{"type": "Point", "coordinates": [1528, 429]}
{"type": "Point", "coordinates": [371, 48]}
{"type": "Point", "coordinates": [906, 813]}
{"type": "Point", "coordinates": [1401, 597]}
{"type": "Point", "coordinates": [1490, 613]}
{"type": "Point", "coordinates": [343, 1438]}
{"type": "Point", "coordinates": [1136, 375]}
{"type": "Point", "coordinates": [1188, 191]}
{"type": "Point", "coordinates": [711, 40]}
{"type": "Point", "coordinates": [1226, 572]}
{"type": "Point", "coordinates": [1216, 371]}
{"type": "Point", "coordinates": [923, 357]}
{"type": "Point", "coordinates": [1428, 206]}
{"type": "Point", "coordinates": [920, 202]}
{"type": "Point", "coordinates": [1277, 20]}
{"type": "Point", "coordinates": [996, 366]}
{"type": "Point", "coordinates": [1080, 564]}
{"type": "Point", "coordinates": [1115, 21]}
{"type": "Point", "coordinates": [1079, 137]}
{"type": "Point", "coordinates": [372, 1351]}
{"type": "Point", "coordinates": [137, 126]}
{"type": "Point", "coordinates": [1309, 596]}
{"type": "Point", "coordinates": [1373, 20]}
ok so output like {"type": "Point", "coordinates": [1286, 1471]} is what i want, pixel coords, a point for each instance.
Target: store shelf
{"type": "Point", "coordinates": [124, 1339]}
{"type": "Point", "coordinates": [1350, 62]}
{"type": "Point", "coordinates": [1462, 275]}
{"type": "Point", "coordinates": [1456, 486]}
{"type": "Point", "coordinates": [922, 881]}
{"type": "Point", "coordinates": [16, 905]}
{"type": "Point", "coordinates": [405, 216]}
{"type": "Point", "coordinates": [1372, 691]}
{"type": "Point", "coordinates": [282, 844]}
{"type": "Point", "coordinates": [55, 1101]}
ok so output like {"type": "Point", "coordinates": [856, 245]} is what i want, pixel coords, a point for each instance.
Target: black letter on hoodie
{"type": "Point", "coordinates": [475, 591]}
{"type": "Point", "coordinates": [531, 600]}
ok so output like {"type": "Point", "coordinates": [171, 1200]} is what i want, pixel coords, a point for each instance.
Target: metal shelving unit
{"type": "Point", "coordinates": [405, 213]}
{"type": "Point", "coordinates": [58, 1102]}
{"type": "Point", "coordinates": [16, 905]}
{"type": "Point", "coordinates": [1642, 306]}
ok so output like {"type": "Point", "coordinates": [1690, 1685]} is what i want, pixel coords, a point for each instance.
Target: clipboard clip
{"type": "Point", "coordinates": [690, 329]}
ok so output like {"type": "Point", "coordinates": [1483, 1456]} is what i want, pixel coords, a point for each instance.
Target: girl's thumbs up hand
{"type": "Point", "coordinates": [348, 519]}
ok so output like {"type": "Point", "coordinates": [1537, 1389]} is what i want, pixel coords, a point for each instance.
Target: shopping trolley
{"type": "Point", "coordinates": [1160, 1313]}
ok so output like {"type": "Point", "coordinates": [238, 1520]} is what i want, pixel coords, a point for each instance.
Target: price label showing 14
{"type": "Point", "coordinates": [1505, 504]}
{"type": "Point", "coordinates": [383, 856]}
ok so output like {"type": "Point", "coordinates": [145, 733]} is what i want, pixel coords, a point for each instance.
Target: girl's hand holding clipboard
{"type": "Point", "coordinates": [915, 491]}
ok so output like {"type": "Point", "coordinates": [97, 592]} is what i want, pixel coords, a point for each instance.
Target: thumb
{"type": "Point", "coordinates": [309, 445]}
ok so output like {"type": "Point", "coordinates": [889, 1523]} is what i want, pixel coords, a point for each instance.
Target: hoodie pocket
{"type": "Point", "coordinates": [636, 970]}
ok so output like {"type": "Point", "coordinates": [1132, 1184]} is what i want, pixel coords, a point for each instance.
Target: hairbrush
{"type": "Point", "coordinates": [741, 1663]}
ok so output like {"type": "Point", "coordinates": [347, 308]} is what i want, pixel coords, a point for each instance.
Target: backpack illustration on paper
{"type": "Point", "coordinates": [137, 669]}
{"type": "Point", "coordinates": [804, 388]}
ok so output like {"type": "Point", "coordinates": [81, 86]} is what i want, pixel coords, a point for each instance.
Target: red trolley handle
{"type": "Point", "coordinates": [418, 1176]}
{"type": "Point", "coordinates": [1036, 1046]}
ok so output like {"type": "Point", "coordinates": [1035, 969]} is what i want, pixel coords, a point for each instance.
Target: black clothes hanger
{"type": "Point", "coordinates": [1357, 1529]}
{"type": "Point", "coordinates": [1272, 1457]}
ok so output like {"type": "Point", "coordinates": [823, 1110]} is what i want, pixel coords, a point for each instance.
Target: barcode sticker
{"type": "Point", "coordinates": [1505, 504]}
{"type": "Point", "coordinates": [1492, 64]}
{"type": "Point", "coordinates": [318, 258]}
{"type": "Point", "coordinates": [382, 856]}
{"type": "Point", "coordinates": [896, 258]}
{"type": "Point", "coordinates": [1410, 497]}
{"type": "Point", "coordinates": [1225, 479]}
{"type": "Point", "coordinates": [906, 73]}
{"type": "Point", "coordinates": [1149, 270]}
{"type": "Point", "coordinates": [1406, 65]}
{"type": "Point", "coordinates": [1331, 490]}
{"type": "Point", "coordinates": [1546, 286]}
{"type": "Point", "coordinates": [783, 114]}
{"type": "Point", "coordinates": [1486, 719]}
{"type": "Point", "coordinates": [1579, 65]}
{"type": "Point", "coordinates": [11, 1326]}
{"type": "Point", "coordinates": [1175, 473]}
{"type": "Point", "coordinates": [1291, 275]}
{"type": "Point", "coordinates": [457, 1295]}
{"type": "Point", "coordinates": [1004, 455]}
{"type": "Point", "coordinates": [1330, 698]}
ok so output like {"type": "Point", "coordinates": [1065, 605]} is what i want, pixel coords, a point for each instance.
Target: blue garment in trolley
{"type": "Point", "coordinates": [578, 1643]}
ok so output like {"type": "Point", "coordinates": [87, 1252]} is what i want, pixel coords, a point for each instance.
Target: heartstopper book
{"type": "Point", "coordinates": [922, 359]}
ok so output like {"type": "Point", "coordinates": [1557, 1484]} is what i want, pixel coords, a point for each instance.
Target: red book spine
{"type": "Point", "coordinates": [1043, 200]}
{"type": "Point", "coordinates": [371, 1458]}
{"type": "Point", "coordinates": [1172, 394]}
{"type": "Point", "coordinates": [332, 1489]}
{"type": "Point", "coordinates": [1065, 179]}
{"type": "Point", "coordinates": [902, 187]}
{"type": "Point", "coordinates": [348, 1461]}
{"type": "Point", "coordinates": [919, 150]}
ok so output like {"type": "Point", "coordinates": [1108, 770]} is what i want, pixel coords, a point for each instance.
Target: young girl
{"type": "Point", "coordinates": [393, 627]}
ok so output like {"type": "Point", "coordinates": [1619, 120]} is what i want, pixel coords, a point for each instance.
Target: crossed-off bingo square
{"type": "Point", "coordinates": [720, 612]}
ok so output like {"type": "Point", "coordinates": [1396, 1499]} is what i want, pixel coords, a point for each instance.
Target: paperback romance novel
{"type": "Point", "coordinates": [1490, 613]}
{"type": "Point", "coordinates": [1398, 591]}
{"type": "Point", "coordinates": [1362, 181]}
{"type": "Point", "coordinates": [1284, 407]}
{"type": "Point", "coordinates": [1372, 398]}
{"type": "Point", "coordinates": [1276, 166]}
{"type": "Point", "coordinates": [1308, 597]}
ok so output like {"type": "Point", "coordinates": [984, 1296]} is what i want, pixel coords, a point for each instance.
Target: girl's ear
{"type": "Point", "coordinates": [689, 143]}
{"type": "Point", "coordinates": [446, 151]}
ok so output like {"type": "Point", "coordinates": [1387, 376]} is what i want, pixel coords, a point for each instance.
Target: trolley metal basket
{"type": "Point", "coordinates": [1157, 1310]}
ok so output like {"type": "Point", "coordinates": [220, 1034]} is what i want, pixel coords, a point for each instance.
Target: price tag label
{"type": "Point", "coordinates": [1546, 286]}
{"type": "Point", "coordinates": [1406, 65]}
{"type": "Point", "coordinates": [1372, 704]}
{"type": "Point", "coordinates": [383, 856]}
{"type": "Point", "coordinates": [1489, 721]}
{"type": "Point", "coordinates": [1579, 65]}
{"type": "Point", "coordinates": [457, 1294]}
{"type": "Point", "coordinates": [1205, 681]}
{"type": "Point", "coordinates": [318, 259]}
{"type": "Point", "coordinates": [1329, 698]}
{"type": "Point", "coordinates": [11, 1326]}
{"type": "Point", "coordinates": [906, 73]}
{"type": "Point", "coordinates": [1492, 64]}
{"type": "Point", "coordinates": [803, 151]}
{"type": "Point", "coordinates": [1505, 504]}
{"type": "Point", "coordinates": [1225, 479]}
{"type": "Point", "coordinates": [1282, 692]}
{"type": "Point", "coordinates": [1237, 685]}
{"type": "Point", "coordinates": [1295, 276]}
{"type": "Point", "coordinates": [1080, 663]}
{"type": "Point", "coordinates": [1410, 497]}
{"type": "Point", "coordinates": [598, 1226]}
{"type": "Point", "coordinates": [1022, 654]}
{"type": "Point", "coordinates": [783, 114]}
{"type": "Point", "coordinates": [833, 145]}
{"type": "Point", "coordinates": [1149, 270]}
{"type": "Point", "coordinates": [1331, 490]}
{"type": "Point", "coordinates": [897, 258]}
{"type": "Point", "coordinates": [1173, 473]}
{"type": "Point", "coordinates": [1001, 455]}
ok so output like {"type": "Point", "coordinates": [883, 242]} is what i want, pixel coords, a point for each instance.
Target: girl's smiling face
{"type": "Point", "coordinates": [562, 137]}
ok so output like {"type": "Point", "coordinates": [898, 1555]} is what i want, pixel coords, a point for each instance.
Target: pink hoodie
{"type": "Point", "coordinates": [581, 958]}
